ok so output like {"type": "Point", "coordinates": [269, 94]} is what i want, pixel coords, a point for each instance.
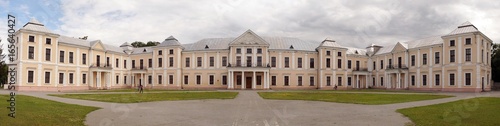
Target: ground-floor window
{"type": "Point", "coordinates": [381, 81]}
{"type": "Point", "coordinates": [339, 81]}
{"type": "Point", "coordinates": [224, 80]}
{"type": "Point", "coordinates": [328, 81]}
{"type": "Point", "coordinates": [437, 79]}
{"type": "Point", "coordinates": [238, 80]}
{"type": "Point", "coordinates": [61, 78]}
{"type": "Point", "coordinates": [452, 79]}
{"type": "Point", "coordinates": [30, 76]}
{"type": "Point", "coordinates": [286, 80]}
{"type": "Point", "coordinates": [150, 79]}
{"type": "Point", "coordinates": [259, 82]}
{"type": "Point", "coordinates": [198, 79]}
{"type": "Point", "coordinates": [311, 81]}
{"type": "Point", "coordinates": [211, 79]}
{"type": "Point", "coordinates": [412, 80]}
{"type": "Point", "coordinates": [70, 78]}
{"type": "Point", "coordinates": [273, 80]}
{"type": "Point", "coordinates": [349, 81]}
{"type": "Point", "coordinates": [117, 79]}
{"type": "Point", "coordinates": [160, 78]}
{"type": "Point", "coordinates": [424, 80]}
{"type": "Point", "coordinates": [170, 79]}
{"type": "Point", "coordinates": [47, 77]}
{"type": "Point", "coordinates": [84, 78]}
{"type": "Point", "coordinates": [467, 78]}
{"type": "Point", "coordinates": [124, 79]}
{"type": "Point", "coordinates": [299, 80]}
{"type": "Point", "coordinates": [373, 81]}
{"type": "Point", "coordinates": [186, 79]}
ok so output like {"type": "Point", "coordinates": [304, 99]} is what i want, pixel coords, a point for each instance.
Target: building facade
{"type": "Point", "coordinates": [458, 61]}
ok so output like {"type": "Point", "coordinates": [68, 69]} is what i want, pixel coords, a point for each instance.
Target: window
{"type": "Point", "coordinates": [238, 80]}
{"type": "Point", "coordinates": [171, 61]}
{"type": "Point", "coordinates": [311, 81]}
{"type": "Point", "coordinates": [150, 63]}
{"type": "Point", "coordinates": [436, 57]}
{"type": "Point", "coordinates": [452, 79]}
{"type": "Point", "coordinates": [328, 63]}
{"type": "Point", "coordinates": [212, 61]}
{"type": "Point", "coordinates": [187, 62]}
{"type": "Point", "coordinates": [84, 78]}
{"type": "Point", "coordinates": [339, 53]}
{"type": "Point", "coordinates": [412, 60]}
{"type": "Point", "coordinates": [311, 63]}
{"type": "Point", "coordinates": [349, 81]}
{"type": "Point", "coordinates": [117, 61]}
{"type": "Point", "coordinates": [224, 80]}
{"type": "Point", "coordinates": [424, 59]}
{"type": "Point", "coordinates": [70, 78]}
{"type": "Point", "coordinates": [117, 79]}
{"type": "Point", "coordinates": [373, 82]}
{"type": "Point", "coordinates": [84, 58]}
{"type": "Point", "coordinates": [238, 50]}
{"type": "Point", "coordinates": [452, 56]}
{"type": "Point", "coordinates": [31, 38]}
{"type": "Point", "coordinates": [299, 62]}
{"type": "Point", "coordinates": [211, 79]}
{"type": "Point", "coordinates": [424, 80]}
{"type": "Point", "coordinates": [381, 81]}
{"type": "Point", "coordinates": [467, 79]}
{"type": "Point", "coordinates": [259, 50]}
{"type": "Point", "coordinates": [452, 42]}
{"type": "Point", "coordinates": [171, 51]}
{"type": "Point", "coordinates": [381, 64]}
{"type": "Point", "coordinates": [198, 79]}
{"type": "Point", "coordinates": [339, 63]}
{"type": "Point", "coordinates": [437, 80]}
{"type": "Point", "coordinates": [150, 79]}
{"type": "Point", "coordinates": [273, 61]}
{"type": "Point", "coordinates": [107, 61]}
{"type": "Point", "coordinates": [299, 80]}
{"type": "Point", "coordinates": [339, 81]}
{"type": "Point", "coordinates": [30, 76]}
{"type": "Point", "coordinates": [31, 52]}
{"type": "Point", "coordinates": [224, 61]}
{"type": "Point", "coordinates": [390, 62]}
{"type": "Point", "coordinates": [286, 79]}
{"type": "Point", "coordinates": [160, 78]}
{"type": "Point", "coordinates": [258, 82]}
{"type": "Point", "coordinates": [328, 81]}
{"type": "Point", "coordinates": [482, 55]}
{"type": "Point", "coordinates": [133, 63]}
{"type": "Point", "coordinates": [61, 56]}
{"type": "Point", "coordinates": [467, 41]}
{"type": "Point", "coordinates": [273, 80]}
{"type": "Point", "coordinates": [70, 55]}
{"type": "Point", "coordinates": [47, 54]}
{"type": "Point", "coordinates": [61, 78]}
{"type": "Point", "coordinates": [349, 66]}
{"type": "Point", "coordinates": [160, 62]}
{"type": "Point", "coordinates": [48, 41]}
{"type": "Point", "coordinates": [160, 52]}
{"type": "Point", "coordinates": [170, 79]}
{"type": "Point", "coordinates": [467, 54]}
{"type": "Point", "coordinates": [259, 60]}
{"type": "Point", "coordinates": [186, 79]}
{"type": "Point", "coordinates": [198, 61]}
{"type": "Point", "coordinates": [287, 62]}
{"type": "Point", "coordinates": [124, 63]}
{"type": "Point", "coordinates": [124, 79]}
{"type": "Point", "coordinates": [374, 65]}
{"type": "Point", "coordinates": [412, 80]}
{"type": "Point", "coordinates": [47, 77]}
{"type": "Point", "coordinates": [249, 50]}
{"type": "Point", "coordinates": [249, 61]}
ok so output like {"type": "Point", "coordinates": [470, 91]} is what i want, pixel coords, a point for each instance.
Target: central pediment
{"type": "Point", "coordinates": [248, 38]}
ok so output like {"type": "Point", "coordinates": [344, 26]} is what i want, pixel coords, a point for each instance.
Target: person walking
{"type": "Point", "coordinates": [141, 89]}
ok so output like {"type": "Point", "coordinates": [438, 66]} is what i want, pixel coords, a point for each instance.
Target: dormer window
{"type": "Point", "coordinates": [206, 47]}
{"type": "Point", "coordinates": [144, 50]}
{"type": "Point", "coordinates": [291, 46]}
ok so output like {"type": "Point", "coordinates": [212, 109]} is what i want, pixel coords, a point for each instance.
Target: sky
{"type": "Point", "coordinates": [354, 23]}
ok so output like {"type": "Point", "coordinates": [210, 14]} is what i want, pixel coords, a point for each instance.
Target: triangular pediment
{"type": "Point", "coordinates": [249, 38]}
{"type": "Point", "coordinates": [399, 47]}
{"type": "Point", "coordinates": [98, 45]}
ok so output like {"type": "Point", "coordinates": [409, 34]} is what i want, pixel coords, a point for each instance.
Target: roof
{"type": "Point", "coordinates": [73, 41]}
{"type": "Point", "coordinates": [465, 27]}
{"type": "Point", "coordinates": [355, 51]}
{"type": "Point", "coordinates": [275, 43]}
{"type": "Point", "coordinates": [170, 41]}
{"type": "Point", "coordinates": [35, 25]}
{"type": "Point", "coordinates": [141, 50]}
{"type": "Point", "coordinates": [424, 42]}
{"type": "Point", "coordinates": [330, 43]}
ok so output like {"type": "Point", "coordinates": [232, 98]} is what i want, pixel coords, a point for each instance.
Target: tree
{"type": "Point", "coordinates": [495, 62]}
{"type": "Point", "coordinates": [3, 67]}
{"type": "Point", "coordinates": [137, 44]}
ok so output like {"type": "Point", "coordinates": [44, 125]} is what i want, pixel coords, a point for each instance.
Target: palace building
{"type": "Point", "coordinates": [47, 61]}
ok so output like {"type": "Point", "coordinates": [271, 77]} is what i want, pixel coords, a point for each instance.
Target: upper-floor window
{"type": "Point", "coordinates": [468, 54]}
{"type": "Point", "coordinates": [249, 50]}
{"type": "Point", "coordinates": [171, 51]}
{"type": "Point", "coordinates": [107, 61]}
{"type": "Point", "coordinates": [84, 58]}
{"type": "Point", "coordinates": [238, 60]}
{"type": "Point", "coordinates": [198, 61]}
{"type": "Point", "coordinates": [328, 53]}
{"type": "Point", "coordinates": [349, 66]}
{"type": "Point", "coordinates": [452, 42]}
{"type": "Point", "coordinates": [31, 38]}
{"type": "Point", "coordinates": [150, 63]}
{"type": "Point", "coordinates": [224, 61]}
{"type": "Point", "coordinates": [160, 62]}
{"type": "Point", "coordinates": [170, 61]}
{"type": "Point", "coordinates": [70, 55]}
{"type": "Point", "coordinates": [98, 60]}
{"type": "Point", "coordinates": [160, 52]}
{"type": "Point", "coordinates": [273, 61]}
{"type": "Point", "coordinates": [412, 60]}
{"type": "Point", "coordinates": [467, 41]}
{"type": "Point", "coordinates": [381, 64]}
{"type": "Point", "coordinates": [452, 56]}
{"type": "Point", "coordinates": [339, 53]}
{"type": "Point", "coordinates": [339, 63]}
{"type": "Point", "coordinates": [124, 63]}
{"type": "Point", "coordinates": [311, 63]}
{"type": "Point", "coordinates": [436, 58]}
{"type": "Point", "coordinates": [133, 63]}
{"type": "Point", "coordinates": [249, 61]}
{"type": "Point", "coordinates": [259, 60]}
{"type": "Point", "coordinates": [187, 62]}
{"type": "Point", "coordinates": [31, 52]}
{"type": "Point", "coordinates": [141, 64]}
{"type": "Point", "coordinates": [47, 54]}
{"type": "Point", "coordinates": [299, 62]}
{"type": "Point", "coordinates": [328, 63]}
{"type": "Point", "coordinates": [212, 60]}
{"type": "Point", "coordinates": [48, 41]}
{"type": "Point", "coordinates": [424, 59]}
{"type": "Point", "coordinates": [238, 50]}
{"type": "Point", "coordinates": [259, 50]}
{"type": "Point", "coordinates": [61, 56]}
{"type": "Point", "coordinates": [287, 62]}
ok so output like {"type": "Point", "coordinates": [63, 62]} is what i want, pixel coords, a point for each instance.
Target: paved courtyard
{"type": "Point", "coordinates": [248, 108]}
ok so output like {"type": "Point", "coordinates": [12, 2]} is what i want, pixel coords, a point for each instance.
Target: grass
{"type": "Point", "coordinates": [355, 98]}
{"type": "Point", "coordinates": [148, 97]}
{"type": "Point", "coordinates": [32, 111]}
{"type": "Point", "coordinates": [476, 111]}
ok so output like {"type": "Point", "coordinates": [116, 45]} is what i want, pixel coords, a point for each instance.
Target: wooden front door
{"type": "Point", "coordinates": [248, 83]}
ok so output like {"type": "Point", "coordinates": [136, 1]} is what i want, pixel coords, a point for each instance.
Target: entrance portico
{"type": "Point", "coordinates": [245, 78]}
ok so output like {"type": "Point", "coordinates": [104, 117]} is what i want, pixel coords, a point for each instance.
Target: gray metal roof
{"type": "Point", "coordinates": [466, 27]}
{"type": "Point", "coordinates": [275, 43]}
{"type": "Point", "coordinates": [73, 41]}
{"type": "Point", "coordinates": [141, 50]}
{"type": "Point", "coordinates": [355, 51]}
{"type": "Point", "coordinates": [35, 25]}
{"type": "Point", "coordinates": [424, 42]}
{"type": "Point", "coordinates": [170, 41]}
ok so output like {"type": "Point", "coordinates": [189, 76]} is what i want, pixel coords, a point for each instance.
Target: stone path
{"type": "Point", "coordinates": [248, 108]}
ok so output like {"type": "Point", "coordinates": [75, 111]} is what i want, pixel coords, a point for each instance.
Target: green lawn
{"type": "Point", "coordinates": [31, 111]}
{"type": "Point", "coordinates": [470, 112]}
{"type": "Point", "coordinates": [148, 97]}
{"type": "Point", "coordinates": [356, 98]}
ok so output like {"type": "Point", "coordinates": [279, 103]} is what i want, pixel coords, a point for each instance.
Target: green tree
{"type": "Point", "coordinates": [3, 68]}
{"type": "Point", "coordinates": [495, 62]}
{"type": "Point", "coordinates": [137, 44]}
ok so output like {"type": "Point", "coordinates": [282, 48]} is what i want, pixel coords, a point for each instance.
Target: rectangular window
{"type": "Point", "coordinates": [160, 62]}
{"type": "Point", "coordinates": [424, 80]}
{"type": "Point", "coordinates": [70, 78]}
{"type": "Point", "coordinates": [238, 60]}
{"type": "Point", "coordinates": [47, 77]}
{"type": "Point", "coordinates": [467, 54]}
{"type": "Point", "coordinates": [249, 50]}
{"type": "Point", "coordinates": [61, 78]}
{"type": "Point", "coordinates": [238, 50]}
{"type": "Point", "coordinates": [339, 81]}
{"type": "Point", "coordinates": [170, 61]}
{"type": "Point", "coordinates": [84, 78]}
{"type": "Point", "coordinates": [273, 80]}
{"type": "Point", "coordinates": [259, 50]}
{"type": "Point", "coordinates": [124, 79]}
{"type": "Point", "coordinates": [171, 51]}
{"type": "Point", "coordinates": [259, 60]}
{"type": "Point", "coordinates": [328, 81]}
{"type": "Point", "coordinates": [249, 61]}
{"type": "Point", "coordinates": [299, 80]}
{"type": "Point", "coordinates": [198, 61]}
{"type": "Point", "coordinates": [412, 80]}
{"type": "Point", "coordinates": [187, 62]}
{"type": "Point", "coordinates": [339, 63]}
{"type": "Point", "coordinates": [212, 61]}
{"type": "Point", "coordinates": [374, 65]}
{"type": "Point", "coordinates": [117, 79]}
{"type": "Point", "coordinates": [328, 63]}
{"type": "Point", "coordinates": [170, 79]}
{"type": "Point", "coordinates": [467, 79]}
{"type": "Point", "coordinates": [258, 82]}
{"type": "Point", "coordinates": [211, 79]}
{"type": "Point", "coordinates": [160, 52]}
{"type": "Point", "coordinates": [124, 63]}
{"type": "Point", "coordinates": [349, 66]}
{"type": "Point", "coordinates": [47, 54]}
{"type": "Point", "coordinates": [224, 80]}
{"type": "Point", "coordinates": [31, 76]}
{"type": "Point", "coordinates": [467, 41]}
{"type": "Point", "coordinates": [424, 59]}
{"type": "Point", "coordinates": [224, 61]}
{"type": "Point", "coordinates": [311, 81]}
{"type": "Point", "coordinates": [133, 63]}
{"type": "Point", "coordinates": [452, 42]}
{"type": "Point", "coordinates": [186, 79]}
{"type": "Point", "coordinates": [150, 63]}
{"type": "Point", "coordinates": [339, 53]}
{"type": "Point", "coordinates": [286, 79]}
{"type": "Point", "coordinates": [311, 63]}
{"type": "Point", "coordinates": [328, 53]}
{"type": "Point", "coordinates": [349, 81]}
{"type": "Point", "coordinates": [273, 61]}
{"type": "Point", "coordinates": [287, 62]}
{"type": "Point", "coordinates": [437, 80]}
{"type": "Point", "coordinates": [61, 56]}
{"type": "Point", "coordinates": [381, 81]}
{"type": "Point", "coordinates": [436, 57]}
{"type": "Point", "coordinates": [198, 79]}
{"type": "Point", "coordinates": [107, 61]}
{"type": "Point", "coordinates": [31, 52]}
{"type": "Point", "coordinates": [150, 79]}
{"type": "Point", "coordinates": [412, 60]}
{"type": "Point", "coordinates": [238, 80]}
{"type": "Point", "coordinates": [84, 58]}
{"type": "Point", "coordinates": [70, 55]}
{"type": "Point", "coordinates": [452, 79]}
{"type": "Point", "coordinates": [98, 59]}
{"type": "Point", "coordinates": [48, 41]}
{"type": "Point", "coordinates": [452, 56]}
{"type": "Point", "coordinates": [31, 38]}
{"type": "Point", "coordinates": [299, 62]}
{"type": "Point", "coordinates": [160, 79]}
{"type": "Point", "coordinates": [381, 64]}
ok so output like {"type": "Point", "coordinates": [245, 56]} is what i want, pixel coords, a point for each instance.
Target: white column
{"type": "Point", "coordinates": [357, 81]}
{"type": "Point", "coordinates": [243, 80]}
{"type": "Point", "coordinates": [228, 80]}
{"type": "Point", "coordinates": [254, 80]}
{"type": "Point", "coordinates": [366, 81]}
{"type": "Point", "coordinates": [266, 85]}
{"type": "Point", "coordinates": [98, 79]}
{"type": "Point", "coordinates": [398, 81]}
